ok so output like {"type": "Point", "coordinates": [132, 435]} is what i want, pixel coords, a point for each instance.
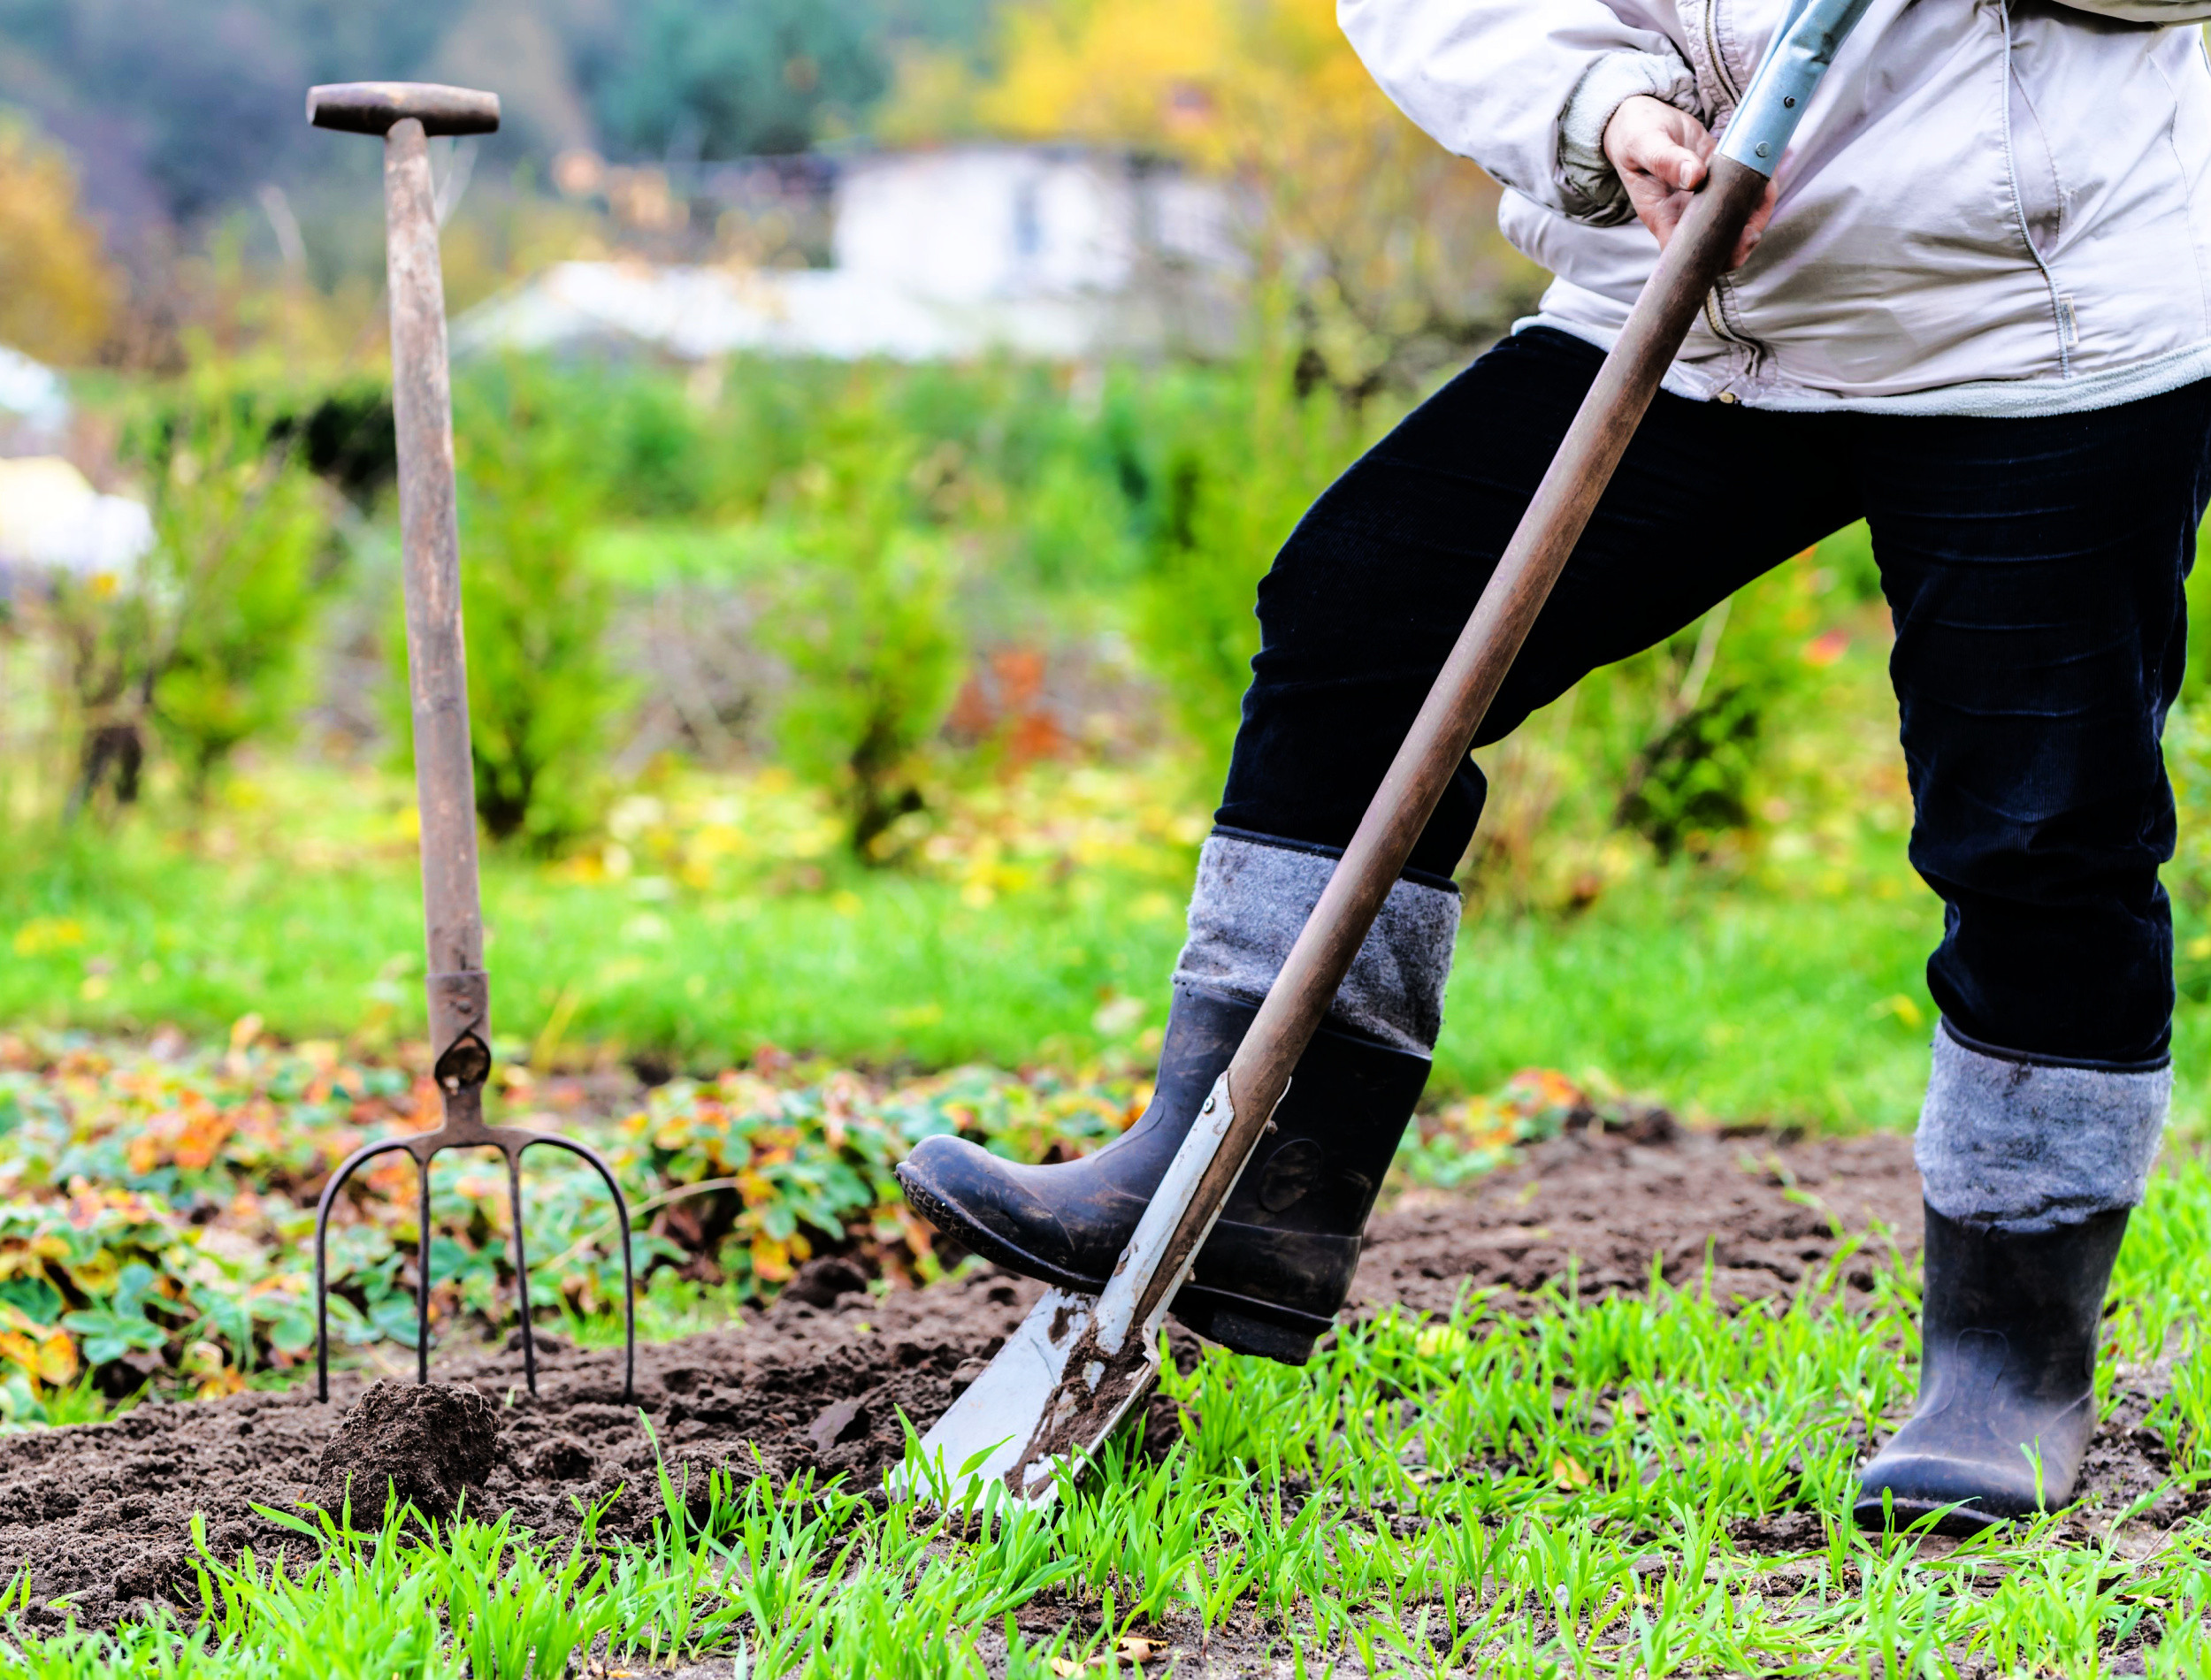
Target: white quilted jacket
{"type": "Point", "coordinates": [1990, 209]}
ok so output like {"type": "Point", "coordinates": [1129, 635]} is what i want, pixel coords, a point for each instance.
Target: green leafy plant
{"type": "Point", "coordinates": [243, 532]}
{"type": "Point", "coordinates": [1693, 778]}
{"type": "Point", "coordinates": [190, 1264]}
{"type": "Point", "coordinates": [1217, 501]}
{"type": "Point", "coordinates": [865, 625]}
{"type": "Point", "coordinates": [542, 694]}
{"type": "Point", "coordinates": [201, 639]}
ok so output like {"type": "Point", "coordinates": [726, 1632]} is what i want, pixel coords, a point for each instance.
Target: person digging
{"type": "Point", "coordinates": [1975, 311]}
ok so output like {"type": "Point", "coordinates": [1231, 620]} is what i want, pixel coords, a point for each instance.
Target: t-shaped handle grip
{"type": "Point", "coordinates": [373, 106]}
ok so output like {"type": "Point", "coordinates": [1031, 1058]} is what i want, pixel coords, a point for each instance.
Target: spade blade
{"type": "Point", "coordinates": [1047, 1399]}
{"type": "Point", "coordinates": [1067, 1376]}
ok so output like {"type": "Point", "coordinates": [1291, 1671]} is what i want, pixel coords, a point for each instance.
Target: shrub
{"type": "Point", "coordinates": [199, 640]}
{"type": "Point", "coordinates": [542, 694]}
{"type": "Point", "coordinates": [1692, 779]}
{"type": "Point", "coordinates": [242, 533]}
{"type": "Point", "coordinates": [1218, 501]}
{"type": "Point", "coordinates": [865, 624]}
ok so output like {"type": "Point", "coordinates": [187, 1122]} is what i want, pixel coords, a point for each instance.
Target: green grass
{"type": "Point", "coordinates": [1725, 999]}
{"type": "Point", "coordinates": [1544, 1492]}
{"type": "Point", "coordinates": [1725, 1002]}
{"type": "Point", "coordinates": [875, 966]}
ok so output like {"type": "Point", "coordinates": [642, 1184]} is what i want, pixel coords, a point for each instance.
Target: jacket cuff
{"type": "Point", "coordinates": [1593, 190]}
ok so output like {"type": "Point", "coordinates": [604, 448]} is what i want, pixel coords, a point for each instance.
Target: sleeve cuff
{"type": "Point", "coordinates": [1592, 190]}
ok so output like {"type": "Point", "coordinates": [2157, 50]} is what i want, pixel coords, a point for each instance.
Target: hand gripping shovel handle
{"type": "Point", "coordinates": [1075, 1366]}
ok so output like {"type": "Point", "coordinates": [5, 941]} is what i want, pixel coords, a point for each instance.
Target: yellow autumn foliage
{"type": "Point", "coordinates": [42, 1351]}
{"type": "Point", "coordinates": [57, 291]}
{"type": "Point", "coordinates": [1222, 84]}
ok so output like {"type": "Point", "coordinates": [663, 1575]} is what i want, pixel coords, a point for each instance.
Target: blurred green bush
{"type": "Point", "coordinates": [852, 542]}
{"type": "Point", "coordinates": [200, 640]}
{"type": "Point", "coordinates": [543, 696]}
{"type": "Point", "coordinates": [241, 553]}
{"type": "Point", "coordinates": [864, 622]}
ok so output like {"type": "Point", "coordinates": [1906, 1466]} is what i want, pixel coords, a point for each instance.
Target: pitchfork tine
{"type": "Point", "coordinates": [345, 1169]}
{"type": "Point", "coordinates": [422, 1270]}
{"type": "Point", "coordinates": [464, 1131]}
{"type": "Point", "coordinates": [629, 1276]}
{"type": "Point", "coordinates": [522, 1270]}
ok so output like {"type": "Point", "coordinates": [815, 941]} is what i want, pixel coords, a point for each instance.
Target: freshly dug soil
{"type": "Point", "coordinates": [1762, 1215]}
{"type": "Point", "coordinates": [102, 1513]}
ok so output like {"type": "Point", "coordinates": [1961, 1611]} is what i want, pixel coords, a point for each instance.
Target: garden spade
{"type": "Point", "coordinates": [1077, 1363]}
{"type": "Point", "coordinates": [406, 114]}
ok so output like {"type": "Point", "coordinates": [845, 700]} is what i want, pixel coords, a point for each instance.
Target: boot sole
{"type": "Point", "coordinates": [1960, 1523]}
{"type": "Point", "coordinates": [1237, 1323]}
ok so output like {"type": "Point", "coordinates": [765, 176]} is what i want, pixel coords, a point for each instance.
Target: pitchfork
{"type": "Point", "coordinates": [406, 114]}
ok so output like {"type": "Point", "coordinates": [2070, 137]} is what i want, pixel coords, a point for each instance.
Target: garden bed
{"type": "Point", "coordinates": [102, 1513]}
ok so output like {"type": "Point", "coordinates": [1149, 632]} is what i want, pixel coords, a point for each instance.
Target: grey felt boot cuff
{"type": "Point", "coordinates": [1252, 898]}
{"type": "Point", "coordinates": [2031, 1145]}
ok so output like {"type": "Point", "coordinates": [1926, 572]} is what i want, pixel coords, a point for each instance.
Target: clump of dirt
{"type": "Point", "coordinates": [819, 1382]}
{"type": "Point", "coordinates": [819, 1283]}
{"type": "Point", "coordinates": [427, 1444]}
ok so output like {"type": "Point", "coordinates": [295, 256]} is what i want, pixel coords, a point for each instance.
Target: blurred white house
{"type": "Point", "coordinates": [34, 403]}
{"type": "Point", "coordinates": [52, 518]}
{"type": "Point", "coordinates": [53, 521]}
{"type": "Point", "coordinates": [1058, 252]}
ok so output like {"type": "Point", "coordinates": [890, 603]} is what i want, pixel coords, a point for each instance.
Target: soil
{"type": "Point", "coordinates": [102, 1513]}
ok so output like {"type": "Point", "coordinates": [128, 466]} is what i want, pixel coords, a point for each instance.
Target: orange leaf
{"type": "Point", "coordinates": [770, 1259]}
{"type": "Point", "coordinates": [56, 1359]}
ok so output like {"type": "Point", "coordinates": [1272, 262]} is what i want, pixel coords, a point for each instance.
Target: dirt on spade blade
{"type": "Point", "coordinates": [102, 1513]}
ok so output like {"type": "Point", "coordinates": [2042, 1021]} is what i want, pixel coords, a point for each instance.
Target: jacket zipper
{"type": "Point", "coordinates": [1719, 59]}
{"type": "Point", "coordinates": [2060, 304]}
{"type": "Point", "coordinates": [1713, 318]}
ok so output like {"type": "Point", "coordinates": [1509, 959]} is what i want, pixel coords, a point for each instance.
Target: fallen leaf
{"type": "Point", "coordinates": [1567, 1474]}
{"type": "Point", "coordinates": [1824, 649]}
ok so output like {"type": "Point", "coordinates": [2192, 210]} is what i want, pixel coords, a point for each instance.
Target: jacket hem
{"type": "Point", "coordinates": [1982, 399]}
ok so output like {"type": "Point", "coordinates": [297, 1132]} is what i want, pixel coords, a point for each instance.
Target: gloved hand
{"type": "Point", "coordinates": [1660, 153]}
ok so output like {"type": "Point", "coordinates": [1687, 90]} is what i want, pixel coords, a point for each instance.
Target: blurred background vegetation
{"type": "Point", "coordinates": [873, 709]}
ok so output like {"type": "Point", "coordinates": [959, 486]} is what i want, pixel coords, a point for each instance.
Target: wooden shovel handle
{"type": "Point", "coordinates": [1444, 732]}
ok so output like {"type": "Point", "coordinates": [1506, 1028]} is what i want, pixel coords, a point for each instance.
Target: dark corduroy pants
{"type": "Point", "coordinates": [2034, 568]}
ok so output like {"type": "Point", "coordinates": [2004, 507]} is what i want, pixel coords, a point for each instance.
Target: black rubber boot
{"type": "Point", "coordinates": [1279, 1262]}
{"type": "Point", "coordinates": [2008, 1367]}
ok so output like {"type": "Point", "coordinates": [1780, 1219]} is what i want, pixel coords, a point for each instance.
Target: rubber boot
{"type": "Point", "coordinates": [1279, 1262]}
{"type": "Point", "coordinates": [2007, 1378]}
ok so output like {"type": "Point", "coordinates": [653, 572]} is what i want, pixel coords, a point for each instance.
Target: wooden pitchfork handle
{"type": "Point", "coordinates": [1444, 732]}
